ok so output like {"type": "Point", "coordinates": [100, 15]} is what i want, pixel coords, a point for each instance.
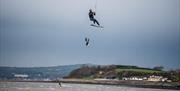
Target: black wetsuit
{"type": "Point", "coordinates": [91, 17]}
{"type": "Point", "coordinates": [87, 41]}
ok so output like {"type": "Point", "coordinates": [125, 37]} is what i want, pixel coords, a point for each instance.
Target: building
{"type": "Point", "coordinates": [134, 78]}
{"type": "Point", "coordinates": [157, 78]}
{"type": "Point", "coordinates": [20, 75]}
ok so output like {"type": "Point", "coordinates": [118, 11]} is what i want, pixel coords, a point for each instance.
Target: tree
{"type": "Point", "coordinates": [159, 68]}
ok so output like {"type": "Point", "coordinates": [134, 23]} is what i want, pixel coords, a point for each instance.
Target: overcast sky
{"type": "Point", "coordinates": [51, 32]}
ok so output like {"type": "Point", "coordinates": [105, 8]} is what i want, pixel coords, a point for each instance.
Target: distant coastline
{"type": "Point", "coordinates": [139, 84]}
{"type": "Point", "coordinates": [116, 75]}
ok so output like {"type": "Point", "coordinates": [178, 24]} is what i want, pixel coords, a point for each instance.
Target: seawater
{"type": "Point", "coordinates": [38, 86]}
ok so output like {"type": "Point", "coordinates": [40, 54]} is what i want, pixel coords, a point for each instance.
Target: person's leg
{"type": "Point", "coordinates": [96, 21]}
{"type": "Point", "coordinates": [92, 19]}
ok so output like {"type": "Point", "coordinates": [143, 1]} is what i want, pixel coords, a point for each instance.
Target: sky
{"type": "Point", "coordinates": [144, 33]}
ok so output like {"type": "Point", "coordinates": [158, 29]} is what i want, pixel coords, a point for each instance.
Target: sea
{"type": "Point", "coordinates": [40, 86]}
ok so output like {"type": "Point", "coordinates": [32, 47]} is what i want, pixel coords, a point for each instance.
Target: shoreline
{"type": "Point", "coordinates": [138, 84]}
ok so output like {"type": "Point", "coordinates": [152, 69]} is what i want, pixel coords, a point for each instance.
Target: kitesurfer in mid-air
{"type": "Point", "coordinates": [91, 17]}
{"type": "Point", "coordinates": [87, 41]}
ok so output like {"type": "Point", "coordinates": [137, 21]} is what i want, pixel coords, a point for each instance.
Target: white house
{"type": "Point", "coordinates": [133, 78]}
{"type": "Point", "coordinates": [157, 78]}
{"type": "Point", "coordinates": [20, 75]}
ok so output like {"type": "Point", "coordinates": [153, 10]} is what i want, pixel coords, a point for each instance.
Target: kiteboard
{"type": "Point", "coordinates": [97, 26]}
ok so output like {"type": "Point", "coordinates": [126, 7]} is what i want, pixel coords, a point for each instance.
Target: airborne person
{"type": "Point", "coordinates": [87, 41]}
{"type": "Point", "coordinates": [91, 17]}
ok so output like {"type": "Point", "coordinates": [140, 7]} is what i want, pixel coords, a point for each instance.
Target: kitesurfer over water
{"type": "Point", "coordinates": [87, 41]}
{"type": "Point", "coordinates": [91, 17]}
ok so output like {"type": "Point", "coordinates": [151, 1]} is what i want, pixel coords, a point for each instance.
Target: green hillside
{"type": "Point", "coordinates": [115, 71]}
{"type": "Point", "coordinates": [139, 70]}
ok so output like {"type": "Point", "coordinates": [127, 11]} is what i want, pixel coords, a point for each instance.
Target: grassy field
{"type": "Point", "coordinates": [138, 70]}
